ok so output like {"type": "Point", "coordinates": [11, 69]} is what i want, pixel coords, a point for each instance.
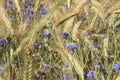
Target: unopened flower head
{"type": "Point", "coordinates": [98, 47]}
{"type": "Point", "coordinates": [91, 74]}
{"type": "Point", "coordinates": [65, 35]}
{"type": "Point", "coordinates": [36, 46]}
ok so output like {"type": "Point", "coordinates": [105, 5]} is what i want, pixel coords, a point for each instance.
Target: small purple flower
{"type": "Point", "coordinates": [99, 66]}
{"type": "Point", "coordinates": [2, 68]}
{"type": "Point", "coordinates": [117, 30]}
{"type": "Point", "coordinates": [65, 35]}
{"type": "Point", "coordinates": [11, 16]}
{"type": "Point", "coordinates": [29, 3]}
{"type": "Point", "coordinates": [9, 6]}
{"type": "Point", "coordinates": [28, 13]}
{"type": "Point", "coordinates": [2, 61]}
{"type": "Point", "coordinates": [66, 77]}
{"type": "Point", "coordinates": [46, 34]}
{"type": "Point", "coordinates": [116, 67]}
{"type": "Point", "coordinates": [58, 76]}
{"type": "Point", "coordinates": [66, 66]}
{"type": "Point", "coordinates": [11, 0]}
{"type": "Point", "coordinates": [91, 74]}
{"type": "Point", "coordinates": [75, 75]}
{"type": "Point", "coordinates": [71, 46]}
{"type": "Point", "coordinates": [38, 78]}
{"type": "Point", "coordinates": [36, 46]}
{"type": "Point", "coordinates": [97, 47]}
{"type": "Point", "coordinates": [44, 11]}
{"type": "Point", "coordinates": [3, 42]}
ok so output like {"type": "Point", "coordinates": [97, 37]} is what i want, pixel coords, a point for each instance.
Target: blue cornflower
{"type": "Point", "coordinates": [97, 47]}
{"type": "Point", "coordinates": [38, 78]}
{"type": "Point", "coordinates": [36, 46]}
{"type": "Point", "coordinates": [28, 13]}
{"type": "Point", "coordinates": [65, 35]}
{"type": "Point", "coordinates": [91, 74]}
{"type": "Point", "coordinates": [67, 66]}
{"type": "Point", "coordinates": [46, 34]}
{"type": "Point", "coordinates": [9, 6]}
{"type": "Point", "coordinates": [58, 76]}
{"type": "Point", "coordinates": [117, 30]}
{"type": "Point", "coordinates": [2, 61]}
{"type": "Point", "coordinates": [75, 75]}
{"type": "Point", "coordinates": [66, 77]}
{"type": "Point", "coordinates": [71, 46]}
{"type": "Point", "coordinates": [11, 16]}
{"type": "Point", "coordinates": [2, 68]}
{"type": "Point", "coordinates": [29, 3]}
{"type": "Point", "coordinates": [99, 66]}
{"type": "Point", "coordinates": [11, 0]}
{"type": "Point", "coordinates": [3, 42]}
{"type": "Point", "coordinates": [116, 67]}
{"type": "Point", "coordinates": [44, 11]}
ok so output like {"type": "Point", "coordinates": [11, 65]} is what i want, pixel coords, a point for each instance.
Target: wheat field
{"type": "Point", "coordinates": [59, 39]}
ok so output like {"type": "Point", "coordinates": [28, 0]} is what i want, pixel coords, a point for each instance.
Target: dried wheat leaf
{"type": "Point", "coordinates": [116, 11]}
{"type": "Point", "coordinates": [17, 5]}
{"type": "Point", "coordinates": [105, 46]}
{"type": "Point", "coordinates": [113, 8]}
{"type": "Point", "coordinates": [97, 5]}
{"type": "Point", "coordinates": [101, 15]}
{"type": "Point", "coordinates": [116, 24]}
{"type": "Point", "coordinates": [75, 31]}
{"type": "Point", "coordinates": [68, 24]}
{"type": "Point", "coordinates": [69, 3]}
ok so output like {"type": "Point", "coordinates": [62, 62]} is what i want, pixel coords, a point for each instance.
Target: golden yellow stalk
{"type": "Point", "coordinates": [36, 5]}
{"type": "Point", "coordinates": [5, 20]}
{"type": "Point", "coordinates": [105, 46]}
{"type": "Point", "coordinates": [113, 8]}
{"type": "Point", "coordinates": [68, 24]}
{"type": "Point", "coordinates": [72, 13]}
{"type": "Point", "coordinates": [75, 31]}
{"type": "Point", "coordinates": [69, 3]}
{"type": "Point", "coordinates": [68, 57]}
{"type": "Point", "coordinates": [17, 5]}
